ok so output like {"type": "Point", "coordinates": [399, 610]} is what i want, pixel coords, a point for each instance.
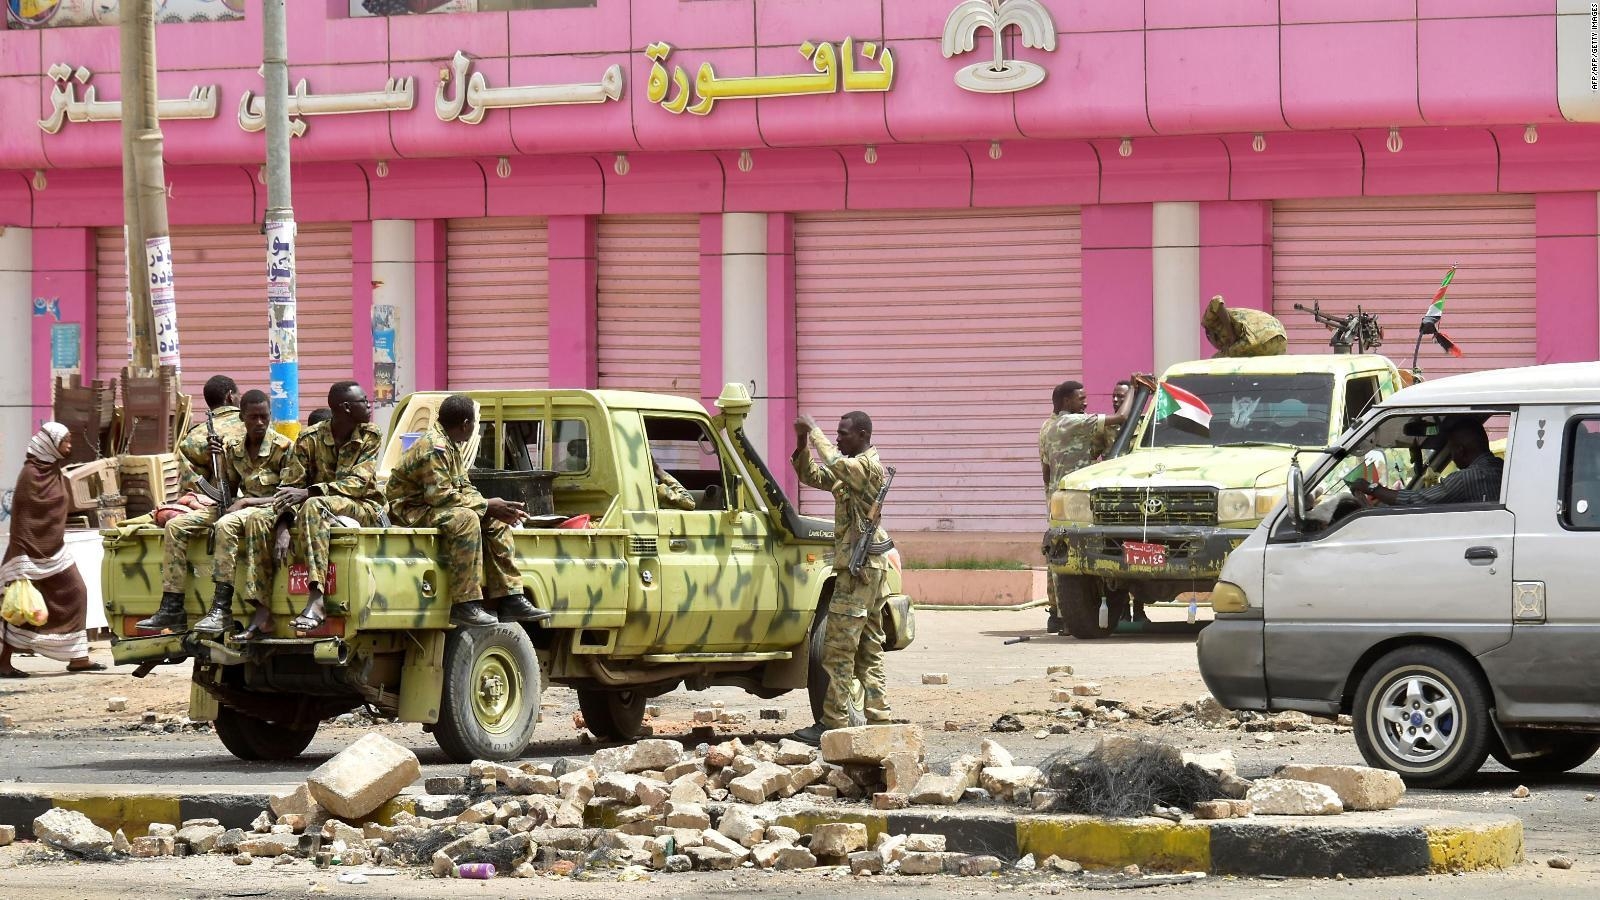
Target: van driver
{"type": "Point", "coordinates": [1476, 479]}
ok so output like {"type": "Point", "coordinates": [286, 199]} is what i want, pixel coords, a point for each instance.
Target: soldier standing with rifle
{"type": "Point", "coordinates": [853, 630]}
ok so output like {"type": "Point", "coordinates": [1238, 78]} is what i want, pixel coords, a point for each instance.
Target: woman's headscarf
{"type": "Point", "coordinates": [46, 445]}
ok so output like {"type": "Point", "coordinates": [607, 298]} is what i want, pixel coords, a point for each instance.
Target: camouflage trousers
{"type": "Point", "coordinates": [852, 647]}
{"type": "Point", "coordinates": [477, 553]}
{"type": "Point", "coordinates": [230, 534]}
{"type": "Point", "coordinates": [251, 565]}
{"type": "Point", "coordinates": [175, 548]}
{"type": "Point", "coordinates": [312, 526]}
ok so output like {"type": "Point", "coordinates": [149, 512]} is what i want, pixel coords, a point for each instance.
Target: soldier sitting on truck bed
{"type": "Point", "coordinates": [332, 474]}
{"type": "Point", "coordinates": [1243, 332]}
{"type": "Point", "coordinates": [194, 463]}
{"type": "Point", "coordinates": [429, 488]}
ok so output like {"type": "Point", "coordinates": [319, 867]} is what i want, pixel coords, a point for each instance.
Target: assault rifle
{"type": "Point", "coordinates": [869, 528]}
{"type": "Point", "coordinates": [219, 492]}
{"type": "Point", "coordinates": [1360, 329]}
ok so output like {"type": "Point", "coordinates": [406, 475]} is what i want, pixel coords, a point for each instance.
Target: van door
{"type": "Point", "coordinates": [1440, 570]}
{"type": "Point", "coordinates": [1550, 672]}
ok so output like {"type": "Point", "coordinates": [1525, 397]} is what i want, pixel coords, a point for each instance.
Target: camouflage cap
{"type": "Point", "coordinates": [1215, 319]}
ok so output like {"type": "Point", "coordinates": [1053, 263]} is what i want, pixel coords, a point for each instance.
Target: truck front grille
{"type": "Point", "coordinates": [1154, 506]}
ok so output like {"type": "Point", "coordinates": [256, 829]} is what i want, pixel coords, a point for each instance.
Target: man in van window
{"type": "Point", "coordinates": [1476, 479]}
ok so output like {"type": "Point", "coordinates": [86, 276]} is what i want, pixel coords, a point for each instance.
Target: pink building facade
{"type": "Point", "coordinates": [843, 203]}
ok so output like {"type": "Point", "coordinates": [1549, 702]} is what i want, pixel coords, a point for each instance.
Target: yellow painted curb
{"type": "Point", "coordinates": [806, 822]}
{"type": "Point", "coordinates": [1114, 844]}
{"type": "Point", "coordinates": [132, 813]}
{"type": "Point", "coordinates": [1469, 849]}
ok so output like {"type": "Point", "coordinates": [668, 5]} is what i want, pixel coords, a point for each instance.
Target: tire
{"type": "Point", "coordinates": [1078, 597]}
{"type": "Point", "coordinates": [490, 701]}
{"type": "Point", "coordinates": [613, 715]}
{"type": "Point", "coordinates": [253, 739]}
{"type": "Point", "coordinates": [1401, 722]}
{"type": "Point", "coordinates": [1564, 753]}
{"type": "Point", "coordinates": [817, 681]}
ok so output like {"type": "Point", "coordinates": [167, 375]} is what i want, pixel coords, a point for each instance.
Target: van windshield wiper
{"type": "Point", "coordinates": [1258, 444]}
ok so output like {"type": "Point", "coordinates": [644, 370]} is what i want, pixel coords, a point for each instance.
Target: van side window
{"type": "Point", "coordinates": [685, 449]}
{"type": "Point", "coordinates": [1580, 475]}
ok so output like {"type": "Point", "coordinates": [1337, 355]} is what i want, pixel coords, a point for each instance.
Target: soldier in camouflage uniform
{"type": "Point", "coordinates": [669, 491]}
{"type": "Point", "coordinates": [429, 488]}
{"type": "Point", "coordinates": [1069, 440]}
{"type": "Point", "coordinates": [1243, 332]}
{"type": "Point", "coordinates": [194, 463]}
{"type": "Point", "coordinates": [332, 474]}
{"type": "Point", "coordinates": [853, 636]}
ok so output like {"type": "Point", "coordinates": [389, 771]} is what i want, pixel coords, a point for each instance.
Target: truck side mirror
{"type": "Point", "coordinates": [1296, 489]}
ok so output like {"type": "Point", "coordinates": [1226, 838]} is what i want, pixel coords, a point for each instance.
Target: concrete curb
{"type": "Point", "coordinates": [1355, 845]}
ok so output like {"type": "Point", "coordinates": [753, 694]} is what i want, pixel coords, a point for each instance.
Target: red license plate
{"type": "Point", "coordinates": [299, 582]}
{"type": "Point", "coordinates": [1139, 553]}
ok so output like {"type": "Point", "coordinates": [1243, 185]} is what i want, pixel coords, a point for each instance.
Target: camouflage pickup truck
{"type": "Point", "coordinates": [1158, 522]}
{"type": "Point", "coordinates": [642, 600]}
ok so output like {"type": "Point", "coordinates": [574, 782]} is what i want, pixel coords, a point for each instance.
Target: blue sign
{"type": "Point", "coordinates": [66, 345]}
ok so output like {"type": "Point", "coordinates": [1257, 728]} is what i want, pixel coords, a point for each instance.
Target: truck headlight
{"type": "Point", "coordinates": [1267, 500]}
{"type": "Point", "coordinates": [1227, 597]}
{"type": "Point", "coordinates": [1071, 507]}
{"type": "Point", "coordinates": [1236, 506]}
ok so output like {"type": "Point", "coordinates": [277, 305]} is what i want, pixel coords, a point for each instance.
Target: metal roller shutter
{"type": "Point", "coordinates": [649, 304]}
{"type": "Point", "coordinates": [950, 330]}
{"type": "Point", "coordinates": [222, 309]}
{"type": "Point", "coordinates": [497, 285]}
{"type": "Point", "coordinates": [1389, 253]}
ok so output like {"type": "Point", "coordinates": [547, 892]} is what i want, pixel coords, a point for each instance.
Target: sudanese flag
{"type": "Point", "coordinates": [1182, 410]}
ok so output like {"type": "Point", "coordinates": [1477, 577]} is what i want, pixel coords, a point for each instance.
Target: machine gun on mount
{"type": "Point", "coordinates": [1358, 329]}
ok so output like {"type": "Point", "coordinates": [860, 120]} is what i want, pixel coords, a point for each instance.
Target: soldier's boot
{"type": "Point", "coordinates": [517, 608]}
{"type": "Point", "coordinates": [221, 614]}
{"type": "Point", "coordinates": [170, 616]}
{"type": "Point", "coordinates": [811, 734]}
{"type": "Point", "coordinates": [471, 614]}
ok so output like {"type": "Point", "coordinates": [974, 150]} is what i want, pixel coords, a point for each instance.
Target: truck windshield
{"type": "Point", "coordinates": [1292, 410]}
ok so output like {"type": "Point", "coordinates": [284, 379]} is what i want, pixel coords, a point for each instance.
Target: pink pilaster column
{"type": "Point", "coordinates": [1568, 276]}
{"type": "Point", "coordinates": [1236, 252]}
{"type": "Point", "coordinates": [361, 290]}
{"type": "Point", "coordinates": [64, 292]}
{"type": "Point", "coordinates": [432, 359]}
{"type": "Point", "coordinates": [574, 303]}
{"type": "Point", "coordinates": [1118, 293]}
{"type": "Point", "coordinates": [710, 308]}
{"type": "Point", "coordinates": [783, 386]}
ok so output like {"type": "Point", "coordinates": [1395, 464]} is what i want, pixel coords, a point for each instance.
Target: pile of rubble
{"type": "Point", "coordinates": [1206, 712]}
{"type": "Point", "coordinates": [658, 807]}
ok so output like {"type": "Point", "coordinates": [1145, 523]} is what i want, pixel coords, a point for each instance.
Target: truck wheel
{"type": "Point", "coordinates": [1563, 753]}
{"type": "Point", "coordinates": [1424, 713]}
{"type": "Point", "coordinates": [491, 693]}
{"type": "Point", "coordinates": [1079, 599]}
{"type": "Point", "coordinates": [250, 738]}
{"type": "Point", "coordinates": [613, 715]}
{"type": "Point", "coordinates": [817, 681]}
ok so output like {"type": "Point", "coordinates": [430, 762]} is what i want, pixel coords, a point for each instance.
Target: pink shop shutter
{"type": "Point", "coordinates": [950, 330]}
{"type": "Point", "coordinates": [1389, 253]}
{"type": "Point", "coordinates": [649, 304]}
{"type": "Point", "coordinates": [497, 284]}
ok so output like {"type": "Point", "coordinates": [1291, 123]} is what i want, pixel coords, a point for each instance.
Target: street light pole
{"type": "Point", "coordinates": [282, 336]}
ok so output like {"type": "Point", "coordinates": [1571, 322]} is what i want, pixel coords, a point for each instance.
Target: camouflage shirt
{"type": "Point", "coordinates": [1255, 334]}
{"type": "Point", "coordinates": [257, 475]}
{"type": "Point", "coordinates": [329, 469]}
{"type": "Point", "coordinates": [1070, 441]}
{"type": "Point", "coordinates": [671, 493]}
{"type": "Point", "coordinates": [431, 475]}
{"type": "Point", "coordinates": [854, 482]}
{"type": "Point", "coordinates": [194, 457]}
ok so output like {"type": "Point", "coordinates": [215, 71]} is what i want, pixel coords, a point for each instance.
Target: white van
{"type": "Point", "coordinates": [1452, 617]}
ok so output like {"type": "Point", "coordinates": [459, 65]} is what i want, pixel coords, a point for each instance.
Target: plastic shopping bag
{"type": "Point", "coordinates": [23, 604]}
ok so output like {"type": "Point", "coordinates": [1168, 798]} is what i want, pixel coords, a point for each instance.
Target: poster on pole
{"type": "Point", "coordinates": [163, 299]}
{"type": "Point", "coordinates": [281, 291]}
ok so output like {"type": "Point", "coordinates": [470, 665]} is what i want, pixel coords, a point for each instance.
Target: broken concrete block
{"type": "Point", "coordinates": [116, 704]}
{"type": "Point", "coordinates": [295, 802]}
{"type": "Point", "coordinates": [618, 786]}
{"type": "Point", "coordinates": [803, 777]}
{"type": "Point", "coordinates": [270, 845]}
{"type": "Point", "coordinates": [530, 783]}
{"type": "Point", "coordinates": [994, 756]}
{"type": "Point", "coordinates": [150, 847]}
{"type": "Point", "coordinates": [1010, 782]}
{"type": "Point", "coordinates": [823, 791]}
{"type": "Point", "coordinates": [70, 830]}
{"type": "Point", "coordinates": [1211, 713]}
{"type": "Point", "coordinates": [925, 843]}
{"type": "Point", "coordinates": [1061, 695]}
{"type": "Point", "coordinates": [890, 847]}
{"type": "Point", "coordinates": [938, 790]}
{"type": "Point", "coordinates": [794, 753]}
{"type": "Point", "coordinates": [1213, 809]}
{"type": "Point", "coordinates": [161, 829]}
{"type": "Point", "coordinates": [889, 800]}
{"type": "Point", "coordinates": [774, 713]}
{"type": "Point", "coordinates": [705, 716]}
{"type": "Point", "coordinates": [1086, 689]}
{"type": "Point", "coordinates": [837, 840]}
{"type": "Point", "coordinates": [653, 793]}
{"type": "Point", "coordinates": [935, 678]}
{"type": "Point", "coordinates": [363, 776]}
{"type": "Point", "coordinates": [739, 824]}
{"type": "Point", "coordinates": [902, 771]}
{"type": "Point", "coordinates": [1358, 787]}
{"type": "Point", "coordinates": [763, 781]}
{"type": "Point", "coordinates": [243, 859]}
{"type": "Point", "coordinates": [120, 843]}
{"type": "Point", "coordinates": [795, 858]}
{"type": "Point", "coordinates": [675, 772]}
{"type": "Point", "coordinates": [1058, 670]}
{"type": "Point", "coordinates": [1064, 866]}
{"type": "Point", "coordinates": [716, 840]}
{"type": "Point", "coordinates": [871, 743]}
{"type": "Point", "coordinates": [476, 814]}
{"type": "Point", "coordinates": [968, 769]}
{"type": "Point", "coordinates": [687, 789]}
{"type": "Point", "coordinates": [866, 862]}
{"type": "Point", "coordinates": [978, 865]}
{"type": "Point", "coordinates": [1241, 808]}
{"type": "Point", "coordinates": [8, 834]}
{"type": "Point", "coordinates": [262, 823]}
{"type": "Point", "coordinates": [1281, 797]}
{"type": "Point", "coordinates": [1220, 763]}
{"type": "Point", "coordinates": [922, 864]}
{"type": "Point", "coordinates": [642, 756]}
{"type": "Point", "coordinates": [295, 822]}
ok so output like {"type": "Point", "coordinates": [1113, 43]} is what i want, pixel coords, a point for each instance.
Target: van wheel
{"type": "Point", "coordinates": [491, 693]}
{"type": "Point", "coordinates": [1562, 753]}
{"type": "Point", "coordinates": [250, 738]}
{"type": "Point", "coordinates": [1424, 713]}
{"type": "Point", "coordinates": [1078, 597]}
{"type": "Point", "coordinates": [817, 680]}
{"type": "Point", "coordinates": [613, 715]}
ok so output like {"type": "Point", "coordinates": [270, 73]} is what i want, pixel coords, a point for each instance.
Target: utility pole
{"type": "Point", "coordinates": [152, 298]}
{"type": "Point", "coordinates": [282, 334]}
